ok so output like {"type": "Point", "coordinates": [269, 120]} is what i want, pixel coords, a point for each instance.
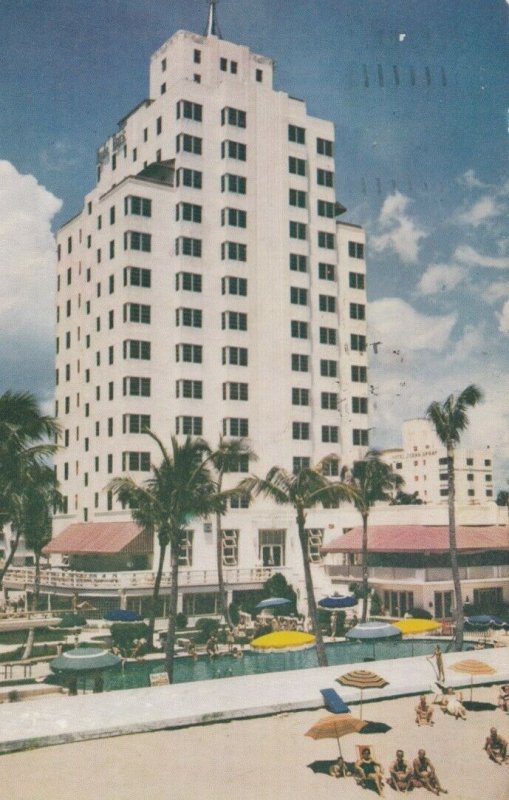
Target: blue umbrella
{"type": "Point", "coordinates": [338, 601]}
{"type": "Point", "coordinates": [485, 620]}
{"type": "Point", "coordinates": [273, 601]}
{"type": "Point", "coordinates": [373, 631]}
{"type": "Point", "coordinates": [122, 615]}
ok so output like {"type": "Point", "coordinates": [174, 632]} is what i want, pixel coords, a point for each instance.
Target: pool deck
{"type": "Point", "coordinates": [61, 719]}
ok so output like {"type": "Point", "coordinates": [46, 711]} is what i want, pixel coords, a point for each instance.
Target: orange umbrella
{"type": "Point", "coordinates": [362, 679]}
{"type": "Point", "coordinates": [473, 666]}
{"type": "Point", "coordinates": [333, 727]}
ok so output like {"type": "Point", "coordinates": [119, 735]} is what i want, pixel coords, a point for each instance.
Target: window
{"type": "Point", "coordinates": [233, 183]}
{"type": "Point", "coordinates": [470, 462]}
{"type": "Point", "coordinates": [487, 462]}
{"type": "Point", "coordinates": [300, 362]}
{"type": "Point", "coordinates": [299, 329]}
{"type": "Point", "coordinates": [190, 212]}
{"type": "Point", "coordinates": [327, 272]}
{"type": "Point", "coordinates": [233, 67]}
{"type": "Point", "coordinates": [297, 198]}
{"type": "Point", "coordinates": [139, 206]}
{"type": "Point", "coordinates": [443, 476]}
{"type": "Point", "coordinates": [328, 336]}
{"type": "Point", "coordinates": [136, 312]}
{"type": "Point", "coordinates": [357, 311]}
{"type": "Point", "coordinates": [235, 391]}
{"type": "Point", "coordinates": [135, 423]}
{"type": "Point", "coordinates": [136, 348]}
{"type": "Point", "coordinates": [186, 246]}
{"type": "Point", "coordinates": [192, 390]}
{"type": "Point", "coordinates": [236, 356]}
{"type": "Point", "coordinates": [234, 251]}
{"type": "Point", "coordinates": [235, 426]}
{"type": "Point", "coordinates": [272, 547]}
{"type": "Point", "coordinates": [197, 56]}
{"type": "Point", "coordinates": [300, 397]}
{"type": "Point", "coordinates": [236, 286]}
{"type": "Point", "coordinates": [324, 177]}
{"type": "Point", "coordinates": [324, 147]}
{"type": "Point", "coordinates": [234, 321]}
{"type": "Point", "coordinates": [298, 230]}
{"type": "Point", "coordinates": [135, 462]}
{"type": "Point", "coordinates": [471, 493]}
{"type": "Point", "coordinates": [442, 460]}
{"type": "Point", "coordinates": [137, 276]}
{"type": "Point", "coordinates": [137, 387]}
{"type": "Point", "coordinates": [327, 302]}
{"type": "Point", "coordinates": [296, 134]}
{"type": "Point", "coordinates": [356, 280]}
{"type": "Point", "coordinates": [189, 177]}
{"type": "Point", "coordinates": [355, 249]}
{"type": "Point", "coordinates": [238, 464]}
{"type": "Point", "coordinates": [111, 284]}
{"type": "Point", "coordinates": [234, 216]}
{"type": "Point", "coordinates": [163, 65]}
{"type": "Point", "coordinates": [191, 353]}
{"type": "Point", "coordinates": [359, 374]}
{"type": "Point", "coordinates": [488, 477]}
{"type": "Point", "coordinates": [328, 368]}
{"type": "Point", "coordinates": [188, 110]}
{"type": "Point", "coordinates": [133, 240]}
{"type": "Point", "coordinates": [259, 75]}
{"type": "Point", "coordinates": [298, 263]}
{"type": "Point", "coordinates": [189, 144]}
{"type": "Point", "coordinates": [360, 405]}
{"type": "Point", "coordinates": [296, 166]}
{"type": "Point", "coordinates": [188, 317]}
{"type": "Point", "coordinates": [230, 547]}
{"type": "Point", "coordinates": [470, 476]}
{"type": "Point", "coordinates": [233, 116]}
{"type": "Point", "coordinates": [360, 437]}
{"type": "Point", "coordinates": [330, 433]}
{"type": "Point", "coordinates": [325, 209]}
{"type": "Point", "coordinates": [299, 463]}
{"type": "Point", "coordinates": [186, 549]}
{"type": "Point", "coordinates": [69, 244]}
{"type": "Point", "coordinates": [329, 401]}
{"type": "Point", "coordinates": [300, 430]}
{"type": "Point", "coordinates": [326, 240]}
{"type": "Point", "coordinates": [298, 296]}
{"type": "Point", "coordinates": [231, 149]}
{"type": "Point", "coordinates": [330, 467]}
{"type": "Point", "coordinates": [189, 426]}
{"type": "Point", "coordinates": [188, 281]}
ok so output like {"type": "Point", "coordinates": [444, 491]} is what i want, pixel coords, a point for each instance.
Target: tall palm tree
{"type": "Point", "coordinates": [306, 489]}
{"type": "Point", "coordinates": [373, 480]}
{"type": "Point", "coordinates": [180, 489]}
{"type": "Point", "coordinates": [224, 459]}
{"type": "Point", "coordinates": [450, 419]}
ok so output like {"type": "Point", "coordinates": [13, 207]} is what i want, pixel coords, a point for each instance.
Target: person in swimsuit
{"type": "Point", "coordinates": [400, 773]}
{"type": "Point", "coordinates": [367, 770]}
{"type": "Point", "coordinates": [423, 712]}
{"type": "Point", "coordinates": [425, 775]}
{"type": "Point", "coordinates": [496, 747]}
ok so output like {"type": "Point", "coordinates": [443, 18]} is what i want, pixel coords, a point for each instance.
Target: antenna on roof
{"type": "Point", "coordinates": [212, 24]}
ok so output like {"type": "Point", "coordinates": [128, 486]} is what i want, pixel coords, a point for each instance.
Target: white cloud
{"type": "Point", "coordinates": [398, 231]}
{"type": "Point", "coordinates": [398, 326]}
{"type": "Point", "coordinates": [61, 155]}
{"type": "Point", "coordinates": [480, 212]}
{"type": "Point", "coordinates": [496, 291]}
{"type": "Point", "coordinates": [440, 278]}
{"type": "Point", "coordinates": [503, 318]}
{"type": "Point", "coordinates": [471, 181]}
{"type": "Point", "coordinates": [467, 255]}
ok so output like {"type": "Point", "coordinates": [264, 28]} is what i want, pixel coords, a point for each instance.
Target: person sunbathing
{"type": "Point", "coordinates": [496, 747]}
{"type": "Point", "coordinates": [367, 770]}
{"type": "Point", "coordinates": [423, 712]}
{"type": "Point", "coordinates": [400, 774]}
{"type": "Point", "coordinates": [425, 775]}
{"type": "Point", "coordinates": [339, 769]}
{"type": "Point", "coordinates": [503, 698]}
{"type": "Point", "coordinates": [455, 706]}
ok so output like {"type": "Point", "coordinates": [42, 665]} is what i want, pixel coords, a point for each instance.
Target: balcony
{"type": "Point", "coordinates": [408, 575]}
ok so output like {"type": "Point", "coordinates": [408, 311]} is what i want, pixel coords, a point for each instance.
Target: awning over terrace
{"type": "Point", "coordinates": [105, 538]}
{"type": "Point", "coordinates": [421, 539]}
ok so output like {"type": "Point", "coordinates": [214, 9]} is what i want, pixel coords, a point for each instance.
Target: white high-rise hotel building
{"type": "Point", "coordinates": [207, 288]}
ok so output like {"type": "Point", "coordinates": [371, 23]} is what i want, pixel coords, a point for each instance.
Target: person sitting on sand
{"type": "Point", "coordinates": [339, 769]}
{"type": "Point", "coordinates": [367, 770]}
{"type": "Point", "coordinates": [425, 775]}
{"type": "Point", "coordinates": [423, 712]}
{"type": "Point", "coordinates": [496, 747]}
{"type": "Point", "coordinates": [455, 706]}
{"type": "Point", "coordinates": [400, 773]}
{"type": "Point", "coordinates": [503, 698]}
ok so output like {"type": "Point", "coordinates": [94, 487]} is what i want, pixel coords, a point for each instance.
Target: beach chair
{"type": "Point", "coordinates": [333, 702]}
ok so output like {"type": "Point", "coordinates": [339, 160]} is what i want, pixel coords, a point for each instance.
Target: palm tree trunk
{"type": "Point", "coordinates": [172, 615]}
{"type": "Point", "coordinates": [8, 562]}
{"type": "Point", "coordinates": [155, 596]}
{"type": "Point", "coordinates": [453, 546]}
{"type": "Point", "coordinates": [310, 592]}
{"type": "Point", "coordinates": [29, 646]}
{"type": "Point", "coordinates": [223, 601]}
{"type": "Point", "coordinates": [365, 586]}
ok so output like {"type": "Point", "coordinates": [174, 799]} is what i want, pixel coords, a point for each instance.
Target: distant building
{"type": "Point", "coordinates": [422, 463]}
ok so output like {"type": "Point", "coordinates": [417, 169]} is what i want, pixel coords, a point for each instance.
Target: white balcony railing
{"type": "Point", "coordinates": [430, 575]}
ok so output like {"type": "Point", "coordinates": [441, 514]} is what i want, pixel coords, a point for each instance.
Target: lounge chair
{"type": "Point", "coordinates": [333, 702]}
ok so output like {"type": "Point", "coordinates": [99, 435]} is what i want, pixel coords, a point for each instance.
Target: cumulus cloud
{"type": "Point", "coordinates": [398, 325]}
{"type": "Point", "coordinates": [496, 291]}
{"type": "Point", "coordinates": [480, 212]}
{"type": "Point", "coordinates": [440, 278]}
{"type": "Point", "coordinates": [471, 181]}
{"type": "Point", "coordinates": [398, 232]}
{"type": "Point", "coordinates": [503, 318]}
{"type": "Point", "coordinates": [467, 255]}
{"type": "Point", "coordinates": [61, 155]}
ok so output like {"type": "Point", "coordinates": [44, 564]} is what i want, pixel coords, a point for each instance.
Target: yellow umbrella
{"type": "Point", "coordinates": [473, 666]}
{"type": "Point", "coordinates": [413, 626]}
{"type": "Point", "coordinates": [282, 640]}
{"type": "Point", "coordinates": [335, 726]}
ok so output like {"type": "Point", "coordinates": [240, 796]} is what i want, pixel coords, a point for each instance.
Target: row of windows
{"type": "Point", "coordinates": [297, 135]}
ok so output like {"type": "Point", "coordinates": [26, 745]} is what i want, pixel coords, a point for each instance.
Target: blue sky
{"type": "Point", "coordinates": [419, 93]}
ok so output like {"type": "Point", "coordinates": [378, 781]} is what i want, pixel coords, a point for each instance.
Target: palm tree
{"type": "Point", "coordinates": [306, 489]}
{"type": "Point", "coordinates": [373, 480]}
{"type": "Point", "coordinates": [224, 459]}
{"type": "Point", "coordinates": [450, 419]}
{"type": "Point", "coordinates": [180, 489]}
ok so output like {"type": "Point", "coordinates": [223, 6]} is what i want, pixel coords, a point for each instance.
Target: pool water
{"type": "Point", "coordinates": [135, 675]}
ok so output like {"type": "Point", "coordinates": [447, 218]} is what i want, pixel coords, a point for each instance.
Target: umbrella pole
{"type": "Point", "coordinates": [339, 747]}
{"type": "Point", "coordinates": [471, 687]}
{"type": "Point", "coordinates": [360, 712]}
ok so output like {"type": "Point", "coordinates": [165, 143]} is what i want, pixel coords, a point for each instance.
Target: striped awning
{"type": "Point", "coordinates": [105, 538]}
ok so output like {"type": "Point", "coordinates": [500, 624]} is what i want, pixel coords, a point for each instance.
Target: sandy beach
{"type": "Point", "coordinates": [268, 757]}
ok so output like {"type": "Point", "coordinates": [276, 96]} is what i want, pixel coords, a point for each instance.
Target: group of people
{"type": "Point", "coordinates": [449, 702]}
{"type": "Point", "coordinates": [403, 775]}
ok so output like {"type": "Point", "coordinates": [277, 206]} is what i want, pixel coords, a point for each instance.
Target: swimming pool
{"type": "Point", "coordinates": [135, 675]}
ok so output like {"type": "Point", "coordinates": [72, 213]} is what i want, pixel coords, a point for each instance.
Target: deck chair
{"type": "Point", "coordinates": [333, 702]}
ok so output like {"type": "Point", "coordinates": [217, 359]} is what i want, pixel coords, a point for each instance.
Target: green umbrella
{"type": "Point", "coordinates": [84, 659]}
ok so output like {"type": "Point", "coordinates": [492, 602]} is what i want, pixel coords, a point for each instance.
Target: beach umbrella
{"type": "Point", "coordinates": [336, 601]}
{"type": "Point", "coordinates": [122, 615]}
{"type": "Point", "coordinates": [410, 627]}
{"type": "Point", "coordinates": [472, 667]}
{"type": "Point", "coordinates": [272, 602]}
{"type": "Point", "coordinates": [334, 727]}
{"type": "Point", "coordinates": [484, 621]}
{"type": "Point", "coordinates": [373, 631]}
{"type": "Point", "coordinates": [362, 679]}
{"type": "Point", "coordinates": [283, 640]}
{"type": "Point", "coordinates": [84, 659]}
